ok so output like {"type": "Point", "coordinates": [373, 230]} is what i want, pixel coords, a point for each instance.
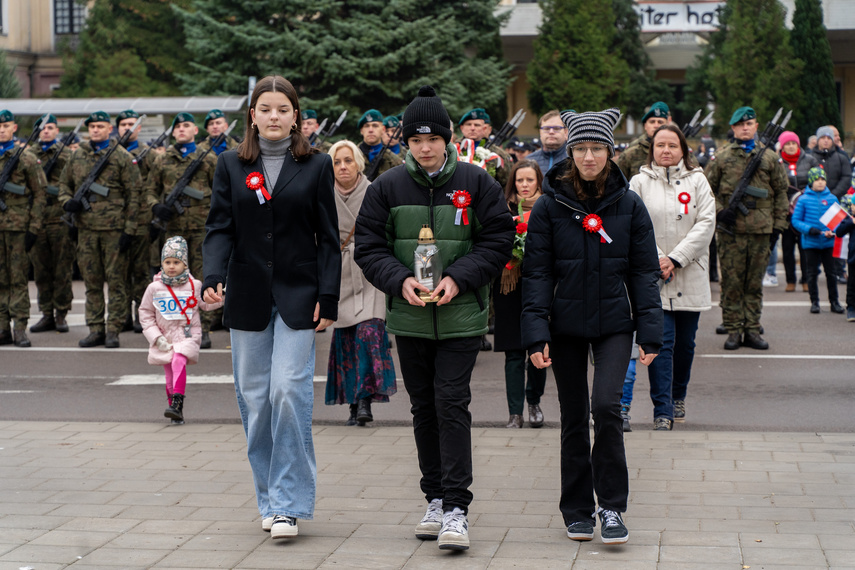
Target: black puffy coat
{"type": "Point", "coordinates": [838, 171]}
{"type": "Point", "coordinates": [576, 285]}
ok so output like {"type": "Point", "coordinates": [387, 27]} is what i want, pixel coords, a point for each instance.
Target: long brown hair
{"type": "Point", "coordinates": [688, 157]}
{"type": "Point", "coordinates": [511, 186]}
{"type": "Point", "coordinates": [572, 176]}
{"type": "Point", "coordinates": [249, 149]}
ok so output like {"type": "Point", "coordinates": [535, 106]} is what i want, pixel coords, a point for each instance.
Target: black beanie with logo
{"type": "Point", "coordinates": [426, 115]}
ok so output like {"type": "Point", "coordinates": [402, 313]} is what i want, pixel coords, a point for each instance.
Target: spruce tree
{"type": "Point", "coordinates": [819, 105]}
{"type": "Point", "coordinates": [9, 86]}
{"type": "Point", "coordinates": [573, 64]}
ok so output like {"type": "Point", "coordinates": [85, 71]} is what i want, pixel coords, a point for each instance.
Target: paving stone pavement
{"type": "Point", "coordinates": [140, 495]}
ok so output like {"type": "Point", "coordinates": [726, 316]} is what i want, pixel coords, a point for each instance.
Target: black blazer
{"type": "Point", "coordinates": [285, 251]}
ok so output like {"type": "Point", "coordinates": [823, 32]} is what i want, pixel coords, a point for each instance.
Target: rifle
{"type": "Point", "coordinates": [692, 128]}
{"type": "Point", "coordinates": [89, 185]}
{"type": "Point", "coordinates": [334, 127]}
{"type": "Point", "coordinates": [50, 164]}
{"type": "Point", "coordinates": [313, 138]}
{"type": "Point", "coordinates": [12, 164]}
{"type": "Point", "coordinates": [771, 133]}
{"type": "Point", "coordinates": [371, 173]}
{"type": "Point", "coordinates": [181, 187]}
{"type": "Point", "coordinates": [507, 130]}
{"type": "Point", "coordinates": [156, 143]}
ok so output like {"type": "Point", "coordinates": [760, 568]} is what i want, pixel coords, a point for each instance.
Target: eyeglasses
{"type": "Point", "coordinates": [552, 129]}
{"type": "Point", "coordinates": [597, 151]}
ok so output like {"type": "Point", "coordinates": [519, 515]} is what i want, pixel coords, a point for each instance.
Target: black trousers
{"type": "Point", "coordinates": [436, 375]}
{"type": "Point", "coordinates": [814, 258]}
{"type": "Point", "coordinates": [601, 469]}
{"type": "Point", "coordinates": [789, 241]}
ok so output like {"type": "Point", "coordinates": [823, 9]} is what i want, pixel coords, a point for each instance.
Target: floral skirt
{"type": "Point", "coordinates": [360, 364]}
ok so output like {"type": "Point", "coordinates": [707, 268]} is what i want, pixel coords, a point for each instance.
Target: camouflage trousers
{"type": "Point", "coordinates": [53, 258]}
{"type": "Point", "coordinates": [100, 262]}
{"type": "Point", "coordinates": [743, 259]}
{"type": "Point", "coordinates": [139, 269]}
{"type": "Point", "coordinates": [194, 239]}
{"type": "Point", "coordinates": [14, 266]}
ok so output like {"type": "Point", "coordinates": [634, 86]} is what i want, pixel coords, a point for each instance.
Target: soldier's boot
{"type": "Point", "coordinates": [734, 341]}
{"type": "Point", "coordinates": [95, 338]}
{"type": "Point", "coordinates": [5, 335]}
{"type": "Point", "coordinates": [112, 340]}
{"type": "Point", "coordinates": [175, 412]}
{"type": "Point", "coordinates": [46, 323]}
{"type": "Point", "coordinates": [61, 323]}
{"type": "Point", "coordinates": [21, 340]}
{"type": "Point", "coordinates": [206, 340]}
{"type": "Point", "coordinates": [754, 340]}
{"type": "Point", "coordinates": [720, 329]}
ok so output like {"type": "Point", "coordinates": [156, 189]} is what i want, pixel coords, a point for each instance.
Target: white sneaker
{"type": "Point", "coordinates": [454, 534]}
{"type": "Point", "coordinates": [266, 524]}
{"type": "Point", "coordinates": [283, 527]}
{"type": "Point", "coordinates": [431, 523]}
{"type": "Point", "coordinates": [770, 280]}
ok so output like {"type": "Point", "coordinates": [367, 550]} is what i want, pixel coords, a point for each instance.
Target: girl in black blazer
{"type": "Point", "coordinates": [272, 241]}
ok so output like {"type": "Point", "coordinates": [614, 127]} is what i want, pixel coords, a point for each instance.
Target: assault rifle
{"type": "Point", "coordinates": [334, 127]}
{"type": "Point", "coordinates": [156, 143]}
{"type": "Point", "coordinates": [692, 128]}
{"type": "Point", "coordinates": [371, 173]}
{"type": "Point", "coordinates": [12, 164]}
{"type": "Point", "coordinates": [50, 164]}
{"type": "Point", "coordinates": [181, 187]}
{"type": "Point", "coordinates": [770, 134]}
{"type": "Point", "coordinates": [313, 138]}
{"type": "Point", "coordinates": [89, 185]}
{"type": "Point", "coordinates": [507, 130]}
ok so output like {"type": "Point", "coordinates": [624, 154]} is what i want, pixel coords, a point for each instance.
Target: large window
{"type": "Point", "coordinates": [69, 16]}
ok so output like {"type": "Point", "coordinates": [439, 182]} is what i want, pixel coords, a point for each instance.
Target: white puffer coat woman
{"type": "Point", "coordinates": [682, 208]}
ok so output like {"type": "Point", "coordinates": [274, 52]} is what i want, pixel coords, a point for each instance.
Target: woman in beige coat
{"type": "Point", "coordinates": [682, 207]}
{"type": "Point", "coordinates": [361, 369]}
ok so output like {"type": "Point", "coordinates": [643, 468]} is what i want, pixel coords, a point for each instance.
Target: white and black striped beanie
{"type": "Point", "coordinates": [592, 127]}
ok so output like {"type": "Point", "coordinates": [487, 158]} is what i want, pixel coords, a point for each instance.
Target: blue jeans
{"type": "Point", "coordinates": [773, 262]}
{"type": "Point", "coordinates": [628, 384]}
{"type": "Point", "coordinates": [670, 371]}
{"type": "Point", "coordinates": [274, 370]}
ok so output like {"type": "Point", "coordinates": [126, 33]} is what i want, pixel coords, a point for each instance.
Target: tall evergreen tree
{"type": "Point", "coordinates": [147, 36]}
{"type": "Point", "coordinates": [819, 105]}
{"type": "Point", "coordinates": [350, 55]}
{"type": "Point", "coordinates": [573, 64]}
{"type": "Point", "coordinates": [9, 86]}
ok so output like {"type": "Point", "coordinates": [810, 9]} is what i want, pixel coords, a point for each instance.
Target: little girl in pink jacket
{"type": "Point", "coordinates": [170, 319]}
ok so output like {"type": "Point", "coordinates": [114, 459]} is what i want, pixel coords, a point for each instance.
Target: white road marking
{"type": "Point", "coordinates": [157, 379]}
{"type": "Point", "coordinates": [99, 349]}
{"type": "Point", "coordinates": [782, 356]}
{"type": "Point", "coordinates": [17, 391]}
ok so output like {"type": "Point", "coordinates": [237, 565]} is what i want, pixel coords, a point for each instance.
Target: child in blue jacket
{"type": "Point", "coordinates": [817, 239]}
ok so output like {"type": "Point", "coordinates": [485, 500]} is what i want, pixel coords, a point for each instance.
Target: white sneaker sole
{"type": "Point", "coordinates": [620, 540]}
{"type": "Point", "coordinates": [454, 543]}
{"type": "Point", "coordinates": [428, 531]}
{"type": "Point", "coordinates": [283, 531]}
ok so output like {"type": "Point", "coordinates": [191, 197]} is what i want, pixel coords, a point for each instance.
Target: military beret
{"type": "Point", "coordinates": [310, 114]}
{"type": "Point", "coordinates": [50, 119]}
{"type": "Point", "coordinates": [183, 118]}
{"type": "Point", "coordinates": [659, 110]}
{"type": "Point", "coordinates": [6, 116]}
{"type": "Point", "coordinates": [742, 114]}
{"type": "Point", "coordinates": [126, 114]}
{"type": "Point", "coordinates": [97, 117]}
{"type": "Point", "coordinates": [475, 114]}
{"type": "Point", "coordinates": [370, 116]}
{"type": "Point", "coordinates": [815, 174]}
{"type": "Point", "coordinates": [213, 114]}
{"type": "Point", "coordinates": [391, 122]}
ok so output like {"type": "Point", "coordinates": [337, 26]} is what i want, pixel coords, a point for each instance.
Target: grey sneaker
{"type": "Point", "coordinates": [850, 314]}
{"type": "Point", "coordinates": [679, 410]}
{"type": "Point", "coordinates": [431, 523]}
{"type": "Point", "coordinates": [662, 424]}
{"type": "Point", "coordinates": [454, 534]}
{"type": "Point", "coordinates": [283, 527]}
{"type": "Point", "coordinates": [612, 529]}
{"type": "Point", "coordinates": [581, 531]}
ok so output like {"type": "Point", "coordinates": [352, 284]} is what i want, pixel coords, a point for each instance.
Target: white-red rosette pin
{"type": "Point", "coordinates": [461, 200]}
{"type": "Point", "coordinates": [255, 182]}
{"type": "Point", "coordinates": [685, 198]}
{"type": "Point", "coordinates": [594, 224]}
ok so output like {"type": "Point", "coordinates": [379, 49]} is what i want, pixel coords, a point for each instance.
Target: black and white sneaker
{"type": "Point", "coordinates": [283, 527]}
{"type": "Point", "coordinates": [454, 534]}
{"type": "Point", "coordinates": [581, 531]}
{"type": "Point", "coordinates": [266, 524]}
{"type": "Point", "coordinates": [612, 529]}
{"type": "Point", "coordinates": [430, 525]}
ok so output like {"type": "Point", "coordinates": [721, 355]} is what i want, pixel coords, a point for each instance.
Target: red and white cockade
{"type": "Point", "coordinates": [255, 182]}
{"type": "Point", "coordinates": [594, 224]}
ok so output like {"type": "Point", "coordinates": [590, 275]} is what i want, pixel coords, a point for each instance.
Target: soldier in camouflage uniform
{"type": "Point", "coordinates": [105, 233]}
{"type": "Point", "coordinates": [165, 172]}
{"type": "Point", "coordinates": [635, 155]}
{"type": "Point", "coordinates": [475, 125]}
{"type": "Point", "coordinates": [20, 223]}
{"type": "Point", "coordinates": [744, 254]}
{"type": "Point", "coordinates": [53, 254]}
{"type": "Point", "coordinates": [215, 124]}
{"type": "Point", "coordinates": [371, 127]}
{"type": "Point", "coordinates": [310, 126]}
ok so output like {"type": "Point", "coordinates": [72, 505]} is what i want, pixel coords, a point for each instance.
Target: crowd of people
{"type": "Point", "coordinates": [573, 251]}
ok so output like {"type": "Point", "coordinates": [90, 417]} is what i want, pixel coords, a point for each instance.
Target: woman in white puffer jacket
{"type": "Point", "coordinates": [682, 207]}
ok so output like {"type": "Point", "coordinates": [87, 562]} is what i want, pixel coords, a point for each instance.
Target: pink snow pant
{"type": "Point", "coordinates": [176, 376]}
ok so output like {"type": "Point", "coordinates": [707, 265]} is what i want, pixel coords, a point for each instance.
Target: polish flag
{"type": "Point", "coordinates": [841, 247]}
{"type": "Point", "coordinates": [833, 216]}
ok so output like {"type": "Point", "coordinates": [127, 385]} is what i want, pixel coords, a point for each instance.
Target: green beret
{"type": "Point", "coordinates": [50, 119]}
{"type": "Point", "coordinates": [370, 116]}
{"type": "Point", "coordinates": [815, 174]}
{"type": "Point", "coordinates": [391, 122]}
{"type": "Point", "coordinates": [6, 116]}
{"type": "Point", "coordinates": [212, 114]}
{"type": "Point", "coordinates": [475, 114]}
{"type": "Point", "coordinates": [742, 114]}
{"type": "Point", "coordinates": [659, 110]}
{"type": "Point", "coordinates": [126, 114]}
{"type": "Point", "coordinates": [97, 117]}
{"type": "Point", "coordinates": [310, 114]}
{"type": "Point", "coordinates": [183, 118]}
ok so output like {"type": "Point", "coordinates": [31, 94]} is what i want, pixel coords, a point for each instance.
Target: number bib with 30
{"type": "Point", "coordinates": [169, 309]}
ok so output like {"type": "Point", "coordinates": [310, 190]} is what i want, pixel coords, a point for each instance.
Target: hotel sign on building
{"type": "Point", "coordinates": [664, 17]}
